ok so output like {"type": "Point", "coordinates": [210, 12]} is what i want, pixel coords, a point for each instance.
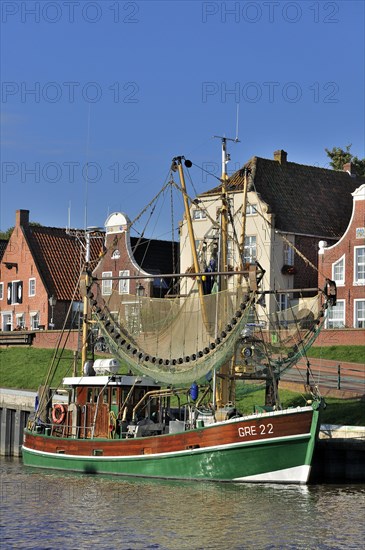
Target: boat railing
{"type": "Point", "coordinates": [70, 431]}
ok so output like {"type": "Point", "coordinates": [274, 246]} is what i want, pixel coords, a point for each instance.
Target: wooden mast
{"type": "Point", "coordinates": [177, 161]}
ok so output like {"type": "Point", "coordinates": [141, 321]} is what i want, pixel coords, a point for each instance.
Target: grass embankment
{"type": "Point", "coordinates": [348, 354]}
{"type": "Point", "coordinates": [27, 368]}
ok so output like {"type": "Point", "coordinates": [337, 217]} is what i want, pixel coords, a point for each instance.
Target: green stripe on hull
{"type": "Point", "coordinates": [226, 464]}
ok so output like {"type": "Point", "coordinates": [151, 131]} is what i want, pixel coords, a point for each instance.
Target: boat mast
{"type": "Point", "coordinates": [177, 162]}
{"type": "Point", "coordinates": [85, 285]}
{"type": "Point", "coordinates": [223, 393]}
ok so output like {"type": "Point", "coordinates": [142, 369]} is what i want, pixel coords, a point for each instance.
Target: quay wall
{"type": "Point", "coordinates": [72, 340]}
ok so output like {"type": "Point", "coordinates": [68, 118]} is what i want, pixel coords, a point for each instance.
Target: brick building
{"type": "Point", "coordinates": [344, 262]}
{"type": "Point", "coordinates": [139, 258]}
{"type": "Point", "coordinates": [39, 274]}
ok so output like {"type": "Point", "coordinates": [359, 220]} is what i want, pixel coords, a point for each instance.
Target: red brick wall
{"type": "Point", "coordinates": [345, 247]}
{"type": "Point", "coordinates": [341, 337]}
{"type": "Point", "coordinates": [119, 242]}
{"type": "Point", "coordinates": [47, 339]}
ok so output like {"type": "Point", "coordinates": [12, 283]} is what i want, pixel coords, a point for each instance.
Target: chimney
{"type": "Point", "coordinates": [349, 169]}
{"type": "Point", "coordinates": [22, 218]}
{"type": "Point", "coordinates": [280, 156]}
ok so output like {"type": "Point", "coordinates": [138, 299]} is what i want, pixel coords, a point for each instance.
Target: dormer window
{"type": "Point", "coordinates": [338, 271]}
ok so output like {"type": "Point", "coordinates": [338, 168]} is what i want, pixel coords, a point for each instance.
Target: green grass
{"type": "Point", "coordinates": [27, 368]}
{"type": "Point", "coordinates": [352, 354]}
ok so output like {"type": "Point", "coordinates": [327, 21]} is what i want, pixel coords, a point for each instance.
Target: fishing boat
{"type": "Point", "coordinates": [162, 403]}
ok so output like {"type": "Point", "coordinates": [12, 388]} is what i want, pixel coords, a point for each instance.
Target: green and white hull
{"type": "Point", "coordinates": [272, 447]}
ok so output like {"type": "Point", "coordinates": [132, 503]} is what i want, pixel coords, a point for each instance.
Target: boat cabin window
{"type": "Point", "coordinates": [105, 395]}
{"type": "Point", "coordinates": [114, 396]}
{"type": "Point", "coordinates": [92, 395]}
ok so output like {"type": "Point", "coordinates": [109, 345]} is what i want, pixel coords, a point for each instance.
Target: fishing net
{"type": "Point", "coordinates": [181, 339]}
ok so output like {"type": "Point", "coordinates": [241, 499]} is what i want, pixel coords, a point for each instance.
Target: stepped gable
{"type": "Point", "coordinates": [304, 199]}
{"type": "Point", "coordinates": [59, 257]}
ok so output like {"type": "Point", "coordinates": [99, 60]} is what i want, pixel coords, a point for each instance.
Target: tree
{"type": "Point", "coordinates": [339, 157]}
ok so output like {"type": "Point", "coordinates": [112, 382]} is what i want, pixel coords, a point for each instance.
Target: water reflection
{"type": "Point", "coordinates": [45, 509]}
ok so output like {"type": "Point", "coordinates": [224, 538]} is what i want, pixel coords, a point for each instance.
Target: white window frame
{"type": "Point", "coordinates": [34, 320]}
{"type": "Point", "coordinates": [124, 284]}
{"type": "Point", "coordinates": [14, 292]}
{"type": "Point", "coordinates": [357, 279]}
{"type": "Point", "coordinates": [20, 320]}
{"type": "Point", "coordinates": [339, 282]}
{"type": "Point", "coordinates": [251, 209]}
{"type": "Point", "coordinates": [288, 255]}
{"type": "Point", "coordinates": [359, 322]}
{"type": "Point", "coordinates": [4, 316]}
{"type": "Point", "coordinates": [282, 302]}
{"type": "Point", "coordinates": [336, 322]}
{"type": "Point", "coordinates": [106, 285]}
{"type": "Point", "coordinates": [31, 287]}
{"type": "Point", "coordinates": [199, 214]}
{"type": "Point", "coordinates": [250, 249]}
{"type": "Point", "coordinates": [1, 291]}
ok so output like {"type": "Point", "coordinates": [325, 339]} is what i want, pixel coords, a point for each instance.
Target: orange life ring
{"type": "Point", "coordinates": [58, 413]}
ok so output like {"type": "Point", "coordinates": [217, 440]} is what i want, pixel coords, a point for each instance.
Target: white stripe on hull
{"type": "Point", "coordinates": [298, 474]}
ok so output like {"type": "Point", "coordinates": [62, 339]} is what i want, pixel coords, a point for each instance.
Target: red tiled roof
{"type": "Point", "coordinates": [60, 258]}
{"type": "Point", "coordinates": [304, 199]}
{"type": "Point", "coordinates": [3, 245]}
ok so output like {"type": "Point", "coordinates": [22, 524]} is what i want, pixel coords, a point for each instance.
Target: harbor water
{"type": "Point", "coordinates": [51, 510]}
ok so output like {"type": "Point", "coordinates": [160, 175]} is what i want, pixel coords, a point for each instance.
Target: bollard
{"type": "Point", "coordinates": [339, 377]}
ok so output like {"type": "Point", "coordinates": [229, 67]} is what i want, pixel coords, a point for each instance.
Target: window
{"type": "Point", "coordinates": [230, 252]}
{"type": "Point", "coordinates": [338, 271]}
{"type": "Point", "coordinates": [251, 209]}
{"type": "Point", "coordinates": [359, 265]}
{"type": "Point", "coordinates": [20, 321]}
{"type": "Point", "coordinates": [359, 313]}
{"type": "Point", "coordinates": [34, 320]}
{"type": "Point", "coordinates": [15, 292]}
{"type": "Point", "coordinates": [336, 315]}
{"type": "Point", "coordinates": [7, 321]}
{"type": "Point", "coordinates": [288, 255]}
{"type": "Point", "coordinates": [249, 253]}
{"type": "Point", "coordinates": [31, 291]}
{"type": "Point", "coordinates": [124, 283]}
{"type": "Point", "coordinates": [282, 301]}
{"type": "Point", "coordinates": [133, 318]}
{"type": "Point", "coordinates": [199, 214]}
{"type": "Point", "coordinates": [106, 288]}
{"type": "Point", "coordinates": [1, 291]}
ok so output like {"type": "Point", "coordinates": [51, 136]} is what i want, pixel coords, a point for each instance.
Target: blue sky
{"type": "Point", "coordinates": [126, 86]}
